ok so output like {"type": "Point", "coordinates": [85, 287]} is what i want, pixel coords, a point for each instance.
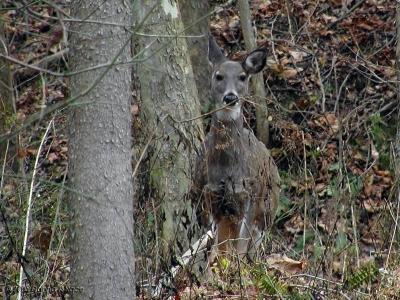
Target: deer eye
{"type": "Point", "coordinates": [242, 77]}
{"type": "Point", "coordinates": [219, 77]}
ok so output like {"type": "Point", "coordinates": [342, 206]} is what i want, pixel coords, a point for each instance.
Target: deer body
{"type": "Point", "coordinates": [236, 174]}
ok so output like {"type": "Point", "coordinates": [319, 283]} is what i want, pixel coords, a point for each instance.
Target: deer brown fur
{"type": "Point", "coordinates": [236, 178]}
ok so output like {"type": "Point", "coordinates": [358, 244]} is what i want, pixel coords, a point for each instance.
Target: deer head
{"type": "Point", "coordinates": [230, 79]}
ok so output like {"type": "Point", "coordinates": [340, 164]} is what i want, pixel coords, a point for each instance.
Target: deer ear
{"type": "Point", "coordinates": [255, 61]}
{"type": "Point", "coordinates": [215, 55]}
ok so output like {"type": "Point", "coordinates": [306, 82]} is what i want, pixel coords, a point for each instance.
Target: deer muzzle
{"type": "Point", "coordinates": [230, 99]}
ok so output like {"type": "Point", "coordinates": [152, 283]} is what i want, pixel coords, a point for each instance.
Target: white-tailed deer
{"type": "Point", "coordinates": [236, 178]}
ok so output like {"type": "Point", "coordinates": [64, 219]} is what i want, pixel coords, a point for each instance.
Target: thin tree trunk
{"type": "Point", "coordinates": [168, 96]}
{"type": "Point", "coordinates": [257, 81]}
{"type": "Point", "coordinates": [102, 265]}
{"type": "Point", "coordinates": [196, 11]}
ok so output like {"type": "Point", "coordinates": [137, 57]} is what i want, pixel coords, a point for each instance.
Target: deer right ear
{"type": "Point", "coordinates": [255, 61]}
{"type": "Point", "coordinates": [215, 55]}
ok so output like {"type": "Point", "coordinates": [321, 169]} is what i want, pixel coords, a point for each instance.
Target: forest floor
{"type": "Point", "coordinates": [332, 103]}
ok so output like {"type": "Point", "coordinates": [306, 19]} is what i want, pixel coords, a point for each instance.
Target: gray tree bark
{"type": "Point", "coordinates": [257, 81]}
{"type": "Point", "coordinates": [102, 265]}
{"type": "Point", "coordinates": [197, 11]}
{"type": "Point", "coordinates": [168, 96]}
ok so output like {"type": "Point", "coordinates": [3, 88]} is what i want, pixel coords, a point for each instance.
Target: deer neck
{"type": "Point", "coordinates": [227, 140]}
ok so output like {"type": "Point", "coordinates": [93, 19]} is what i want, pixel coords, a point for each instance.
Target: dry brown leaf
{"type": "Point", "coordinates": [389, 72]}
{"type": "Point", "coordinates": [285, 61]}
{"type": "Point", "coordinates": [9, 187]}
{"type": "Point", "coordinates": [324, 32]}
{"type": "Point", "coordinates": [373, 205]}
{"type": "Point", "coordinates": [289, 73]}
{"type": "Point", "coordinates": [282, 71]}
{"type": "Point", "coordinates": [31, 151]}
{"type": "Point", "coordinates": [320, 187]}
{"type": "Point", "coordinates": [22, 153]}
{"type": "Point", "coordinates": [295, 224]}
{"type": "Point", "coordinates": [276, 68]}
{"type": "Point", "coordinates": [41, 237]}
{"type": "Point", "coordinates": [368, 185]}
{"type": "Point", "coordinates": [52, 157]}
{"type": "Point", "coordinates": [337, 266]}
{"type": "Point", "coordinates": [329, 19]}
{"type": "Point", "coordinates": [357, 155]}
{"type": "Point", "coordinates": [374, 151]}
{"type": "Point", "coordinates": [383, 173]}
{"type": "Point", "coordinates": [285, 264]}
{"type": "Point", "coordinates": [337, 3]}
{"type": "Point", "coordinates": [328, 121]}
{"type": "Point", "coordinates": [135, 110]}
{"type": "Point", "coordinates": [297, 55]}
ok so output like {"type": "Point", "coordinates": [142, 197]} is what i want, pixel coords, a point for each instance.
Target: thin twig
{"type": "Point", "coordinates": [305, 194]}
{"type": "Point", "coordinates": [340, 92]}
{"type": "Point", "coordinates": [39, 66]}
{"type": "Point", "coordinates": [60, 197]}
{"type": "Point", "coordinates": [142, 154]}
{"type": "Point", "coordinates": [29, 208]}
{"type": "Point", "coordinates": [353, 8]}
{"type": "Point", "coordinates": [321, 84]}
{"type": "Point", "coordinates": [320, 81]}
{"type": "Point", "coordinates": [394, 230]}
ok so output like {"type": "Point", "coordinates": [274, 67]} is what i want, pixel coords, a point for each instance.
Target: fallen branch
{"type": "Point", "coordinates": [197, 247]}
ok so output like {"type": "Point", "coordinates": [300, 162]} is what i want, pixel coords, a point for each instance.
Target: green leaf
{"type": "Point", "coordinates": [341, 241]}
{"type": "Point", "coordinates": [334, 167]}
{"type": "Point", "coordinates": [224, 263]}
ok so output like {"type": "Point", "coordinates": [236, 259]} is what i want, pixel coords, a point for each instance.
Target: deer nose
{"type": "Point", "coordinates": [230, 99]}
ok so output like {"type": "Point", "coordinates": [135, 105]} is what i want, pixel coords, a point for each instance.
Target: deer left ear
{"type": "Point", "coordinates": [215, 55]}
{"type": "Point", "coordinates": [255, 61]}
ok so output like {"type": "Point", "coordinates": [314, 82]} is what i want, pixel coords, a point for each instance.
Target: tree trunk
{"type": "Point", "coordinates": [169, 95]}
{"type": "Point", "coordinates": [257, 81]}
{"type": "Point", "coordinates": [196, 11]}
{"type": "Point", "coordinates": [102, 265]}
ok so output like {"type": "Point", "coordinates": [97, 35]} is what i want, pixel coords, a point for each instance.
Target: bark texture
{"type": "Point", "coordinates": [196, 21]}
{"type": "Point", "coordinates": [102, 265]}
{"type": "Point", "coordinates": [257, 81]}
{"type": "Point", "coordinates": [168, 96]}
